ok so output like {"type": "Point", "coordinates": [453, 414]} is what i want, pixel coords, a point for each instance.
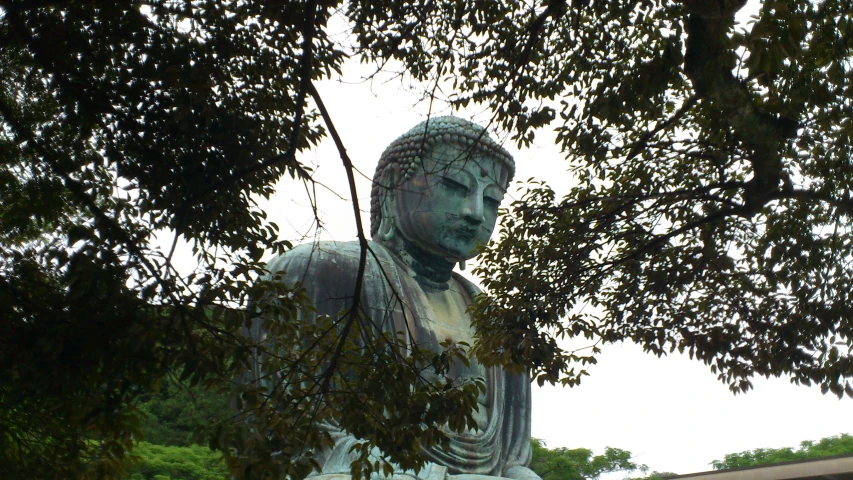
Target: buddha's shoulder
{"type": "Point", "coordinates": [326, 259]}
{"type": "Point", "coordinates": [472, 289]}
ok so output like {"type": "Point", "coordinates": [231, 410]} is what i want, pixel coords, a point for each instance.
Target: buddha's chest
{"type": "Point", "coordinates": [442, 315]}
{"type": "Point", "coordinates": [445, 316]}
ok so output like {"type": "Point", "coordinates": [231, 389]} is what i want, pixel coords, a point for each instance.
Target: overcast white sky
{"type": "Point", "coordinates": [672, 413]}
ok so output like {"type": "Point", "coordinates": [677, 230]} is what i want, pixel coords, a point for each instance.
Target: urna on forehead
{"type": "Point", "coordinates": [408, 150]}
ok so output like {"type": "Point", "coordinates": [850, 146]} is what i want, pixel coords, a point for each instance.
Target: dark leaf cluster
{"type": "Point", "coordinates": [711, 211]}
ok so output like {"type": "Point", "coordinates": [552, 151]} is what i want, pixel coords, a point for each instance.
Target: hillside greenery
{"type": "Point", "coordinates": [825, 447]}
{"type": "Point", "coordinates": [163, 462]}
{"type": "Point", "coordinates": [579, 463]}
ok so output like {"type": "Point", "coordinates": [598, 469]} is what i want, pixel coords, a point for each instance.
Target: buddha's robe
{"type": "Point", "coordinates": [327, 270]}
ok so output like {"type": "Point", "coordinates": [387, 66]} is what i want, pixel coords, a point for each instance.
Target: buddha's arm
{"type": "Point", "coordinates": [516, 440]}
{"type": "Point", "coordinates": [327, 271]}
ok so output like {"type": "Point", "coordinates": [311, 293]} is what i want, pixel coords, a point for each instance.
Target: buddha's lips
{"type": "Point", "coordinates": [466, 233]}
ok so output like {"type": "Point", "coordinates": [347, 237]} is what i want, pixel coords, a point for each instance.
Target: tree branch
{"type": "Point", "coordinates": [843, 204]}
{"type": "Point", "coordinates": [644, 140]}
{"type": "Point", "coordinates": [79, 192]}
{"type": "Point", "coordinates": [289, 157]}
{"type": "Point", "coordinates": [708, 62]}
{"type": "Point", "coordinates": [352, 312]}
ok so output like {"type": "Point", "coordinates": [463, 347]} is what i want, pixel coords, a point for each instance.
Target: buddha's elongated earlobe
{"type": "Point", "coordinates": [461, 264]}
{"type": "Point", "coordinates": [386, 225]}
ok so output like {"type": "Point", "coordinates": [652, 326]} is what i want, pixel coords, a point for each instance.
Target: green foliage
{"type": "Point", "coordinates": [825, 447]}
{"type": "Point", "coordinates": [118, 123]}
{"type": "Point", "coordinates": [711, 210]}
{"type": "Point", "coordinates": [122, 122]}
{"type": "Point", "coordinates": [178, 414]}
{"type": "Point", "coordinates": [579, 463]}
{"type": "Point", "coordinates": [160, 462]}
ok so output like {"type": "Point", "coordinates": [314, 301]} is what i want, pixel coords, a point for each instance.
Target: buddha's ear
{"type": "Point", "coordinates": [386, 204]}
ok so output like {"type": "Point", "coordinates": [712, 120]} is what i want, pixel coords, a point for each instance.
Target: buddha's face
{"type": "Point", "coordinates": [449, 205]}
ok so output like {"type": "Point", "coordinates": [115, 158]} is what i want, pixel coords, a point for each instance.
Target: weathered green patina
{"type": "Point", "coordinates": [436, 194]}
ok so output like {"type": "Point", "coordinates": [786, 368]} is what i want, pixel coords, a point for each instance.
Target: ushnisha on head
{"type": "Point", "coordinates": [438, 187]}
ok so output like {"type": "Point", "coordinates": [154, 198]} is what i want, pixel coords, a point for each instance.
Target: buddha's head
{"type": "Point", "coordinates": [438, 188]}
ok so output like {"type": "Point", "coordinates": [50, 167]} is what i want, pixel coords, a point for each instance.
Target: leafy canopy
{"type": "Point", "coordinates": [122, 123]}
{"type": "Point", "coordinates": [712, 209]}
{"type": "Point", "coordinates": [711, 213]}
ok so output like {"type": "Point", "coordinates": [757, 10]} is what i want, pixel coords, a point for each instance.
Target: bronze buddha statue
{"type": "Point", "coordinates": [435, 197]}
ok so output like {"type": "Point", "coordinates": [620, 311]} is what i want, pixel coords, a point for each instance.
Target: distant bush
{"type": "Point", "coordinates": [579, 463]}
{"type": "Point", "coordinates": [825, 447]}
{"type": "Point", "coordinates": [178, 412]}
{"type": "Point", "coordinates": [162, 462]}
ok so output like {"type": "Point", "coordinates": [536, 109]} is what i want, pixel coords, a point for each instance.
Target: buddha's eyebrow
{"type": "Point", "coordinates": [500, 189]}
{"type": "Point", "coordinates": [452, 169]}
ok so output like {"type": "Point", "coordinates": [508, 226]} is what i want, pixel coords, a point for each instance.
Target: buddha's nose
{"type": "Point", "coordinates": [472, 212]}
